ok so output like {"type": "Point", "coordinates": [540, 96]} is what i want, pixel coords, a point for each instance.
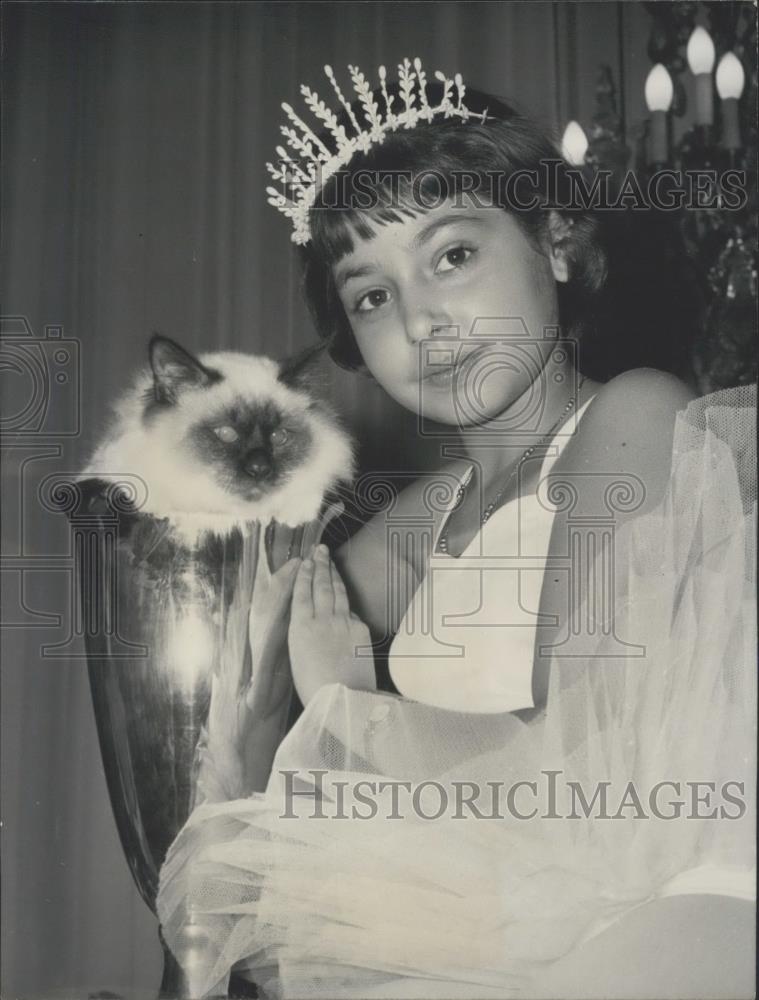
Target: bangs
{"type": "Point", "coordinates": [338, 217]}
{"type": "Point", "coordinates": [412, 172]}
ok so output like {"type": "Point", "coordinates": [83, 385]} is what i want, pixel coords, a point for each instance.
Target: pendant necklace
{"type": "Point", "coordinates": [442, 544]}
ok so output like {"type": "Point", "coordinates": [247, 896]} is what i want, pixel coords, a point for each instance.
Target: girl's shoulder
{"type": "Point", "coordinates": [629, 428]}
{"type": "Point", "coordinates": [640, 386]}
{"type": "Point", "coordinates": [634, 409]}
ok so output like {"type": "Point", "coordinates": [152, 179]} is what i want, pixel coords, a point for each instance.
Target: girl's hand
{"type": "Point", "coordinates": [247, 714]}
{"type": "Point", "coordinates": [324, 634]}
{"type": "Point", "coordinates": [270, 681]}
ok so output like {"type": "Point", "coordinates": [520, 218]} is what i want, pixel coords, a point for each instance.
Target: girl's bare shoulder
{"type": "Point", "coordinates": [632, 410]}
{"type": "Point", "coordinates": [629, 428]}
{"type": "Point", "coordinates": [642, 387]}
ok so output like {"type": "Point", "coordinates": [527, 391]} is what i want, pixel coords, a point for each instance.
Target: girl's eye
{"type": "Point", "coordinates": [453, 258]}
{"type": "Point", "coordinates": [226, 434]}
{"type": "Point", "coordinates": [279, 436]}
{"type": "Point", "coordinates": [372, 300]}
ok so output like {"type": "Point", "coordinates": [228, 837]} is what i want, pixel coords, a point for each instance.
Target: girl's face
{"type": "Point", "coordinates": [449, 310]}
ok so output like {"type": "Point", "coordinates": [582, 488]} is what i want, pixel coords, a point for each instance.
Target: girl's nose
{"type": "Point", "coordinates": [423, 316]}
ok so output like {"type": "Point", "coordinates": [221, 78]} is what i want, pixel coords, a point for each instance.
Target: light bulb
{"type": "Point", "coordinates": [700, 52]}
{"type": "Point", "coordinates": [574, 144]}
{"type": "Point", "coordinates": [659, 89]}
{"type": "Point", "coordinates": [730, 77]}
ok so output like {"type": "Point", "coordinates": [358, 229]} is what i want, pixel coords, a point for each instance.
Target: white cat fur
{"type": "Point", "coordinates": [180, 488]}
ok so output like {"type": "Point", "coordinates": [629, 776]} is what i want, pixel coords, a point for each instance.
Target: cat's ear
{"type": "Point", "coordinates": [175, 369]}
{"type": "Point", "coordinates": [304, 370]}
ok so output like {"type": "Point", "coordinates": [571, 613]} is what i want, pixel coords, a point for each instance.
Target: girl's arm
{"type": "Point", "coordinates": [380, 582]}
{"type": "Point", "coordinates": [628, 430]}
{"type": "Point", "coordinates": [625, 436]}
{"type": "Point", "coordinates": [383, 564]}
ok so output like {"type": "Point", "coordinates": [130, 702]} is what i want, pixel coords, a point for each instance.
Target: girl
{"type": "Point", "coordinates": [556, 648]}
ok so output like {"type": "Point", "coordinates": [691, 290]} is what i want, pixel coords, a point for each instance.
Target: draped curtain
{"type": "Point", "coordinates": [134, 143]}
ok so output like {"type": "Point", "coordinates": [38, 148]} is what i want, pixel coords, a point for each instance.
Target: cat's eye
{"type": "Point", "coordinates": [279, 436]}
{"type": "Point", "coordinates": [226, 434]}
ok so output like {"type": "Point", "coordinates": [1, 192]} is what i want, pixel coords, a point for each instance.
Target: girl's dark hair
{"type": "Point", "coordinates": [630, 300]}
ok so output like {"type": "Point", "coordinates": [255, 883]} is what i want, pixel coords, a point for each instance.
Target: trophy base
{"type": "Point", "coordinates": [175, 986]}
{"type": "Point", "coordinates": [241, 989]}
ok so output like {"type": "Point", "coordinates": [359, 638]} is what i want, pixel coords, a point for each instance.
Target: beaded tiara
{"type": "Point", "coordinates": [308, 164]}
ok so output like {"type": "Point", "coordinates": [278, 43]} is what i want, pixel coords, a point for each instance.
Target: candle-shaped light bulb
{"type": "Point", "coordinates": [700, 54]}
{"type": "Point", "coordinates": [659, 93]}
{"type": "Point", "coordinates": [730, 82]}
{"type": "Point", "coordinates": [730, 77]}
{"type": "Point", "coordinates": [574, 144]}
{"type": "Point", "coordinates": [659, 89]}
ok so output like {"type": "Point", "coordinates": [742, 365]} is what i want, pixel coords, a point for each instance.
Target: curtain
{"type": "Point", "coordinates": [135, 137]}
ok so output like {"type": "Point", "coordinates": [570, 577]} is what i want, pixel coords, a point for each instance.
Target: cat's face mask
{"type": "Point", "coordinates": [252, 446]}
{"type": "Point", "coordinates": [241, 427]}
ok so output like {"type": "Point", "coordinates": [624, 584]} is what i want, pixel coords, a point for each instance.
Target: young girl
{"type": "Point", "coordinates": [499, 827]}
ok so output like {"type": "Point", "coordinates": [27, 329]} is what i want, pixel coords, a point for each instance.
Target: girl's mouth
{"type": "Point", "coordinates": [440, 376]}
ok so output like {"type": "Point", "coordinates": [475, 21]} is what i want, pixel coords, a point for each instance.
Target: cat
{"type": "Point", "coordinates": [224, 438]}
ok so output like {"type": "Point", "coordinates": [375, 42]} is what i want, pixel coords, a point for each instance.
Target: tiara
{"type": "Point", "coordinates": [309, 163]}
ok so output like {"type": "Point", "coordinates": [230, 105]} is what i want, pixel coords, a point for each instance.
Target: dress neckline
{"type": "Point", "coordinates": [548, 460]}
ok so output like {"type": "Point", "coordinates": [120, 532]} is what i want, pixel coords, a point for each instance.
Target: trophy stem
{"type": "Point", "coordinates": [179, 981]}
{"type": "Point", "coordinates": [174, 985]}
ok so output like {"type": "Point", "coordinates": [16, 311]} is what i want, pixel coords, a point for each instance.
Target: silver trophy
{"type": "Point", "coordinates": [159, 617]}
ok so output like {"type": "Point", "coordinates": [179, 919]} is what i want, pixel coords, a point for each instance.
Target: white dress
{"type": "Point", "coordinates": [508, 843]}
{"type": "Point", "coordinates": [476, 654]}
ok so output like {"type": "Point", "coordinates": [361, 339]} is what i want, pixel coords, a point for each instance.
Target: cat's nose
{"type": "Point", "coordinates": [258, 465]}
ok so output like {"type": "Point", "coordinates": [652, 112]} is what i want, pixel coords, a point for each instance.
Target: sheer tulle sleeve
{"type": "Point", "coordinates": [324, 886]}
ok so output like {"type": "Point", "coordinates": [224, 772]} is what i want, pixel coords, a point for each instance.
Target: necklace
{"type": "Point", "coordinates": [442, 544]}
